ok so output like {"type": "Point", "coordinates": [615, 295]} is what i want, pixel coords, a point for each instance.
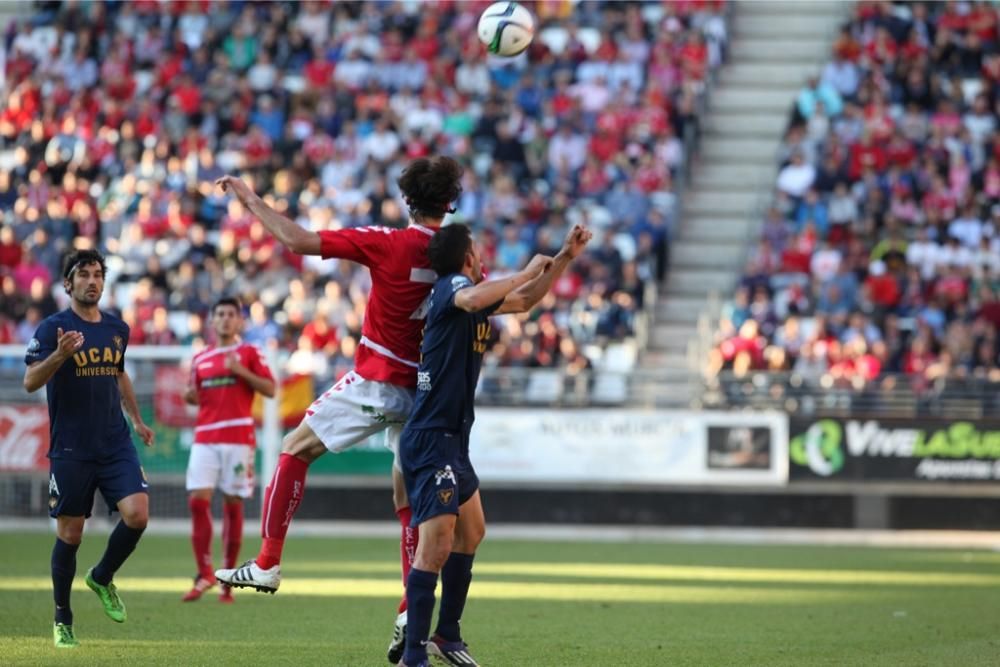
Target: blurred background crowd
{"type": "Point", "coordinates": [880, 251]}
{"type": "Point", "coordinates": [119, 116]}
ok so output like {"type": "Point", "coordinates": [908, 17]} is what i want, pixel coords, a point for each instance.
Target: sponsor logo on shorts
{"type": "Point", "coordinates": [447, 473]}
{"type": "Point", "coordinates": [374, 414]}
{"type": "Point", "coordinates": [424, 380]}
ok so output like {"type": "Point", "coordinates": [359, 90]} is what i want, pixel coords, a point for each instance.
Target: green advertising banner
{"type": "Point", "coordinates": [173, 445]}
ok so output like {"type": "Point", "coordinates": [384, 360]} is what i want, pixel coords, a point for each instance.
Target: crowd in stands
{"type": "Point", "coordinates": [880, 253]}
{"type": "Point", "coordinates": [119, 116]}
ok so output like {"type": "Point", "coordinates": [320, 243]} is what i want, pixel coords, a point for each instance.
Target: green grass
{"type": "Point", "coordinates": [532, 604]}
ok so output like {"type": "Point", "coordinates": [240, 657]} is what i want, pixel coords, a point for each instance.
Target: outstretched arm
{"type": "Point", "coordinates": [528, 295]}
{"type": "Point", "coordinates": [485, 294]}
{"type": "Point", "coordinates": [289, 234]}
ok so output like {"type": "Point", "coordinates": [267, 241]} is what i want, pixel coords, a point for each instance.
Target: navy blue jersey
{"type": "Point", "coordinates": [450, 359]}
{"type": "Point", "coordinates": [85, 412]}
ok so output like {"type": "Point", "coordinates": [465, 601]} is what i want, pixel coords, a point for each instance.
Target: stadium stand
{"type": "Point", "coordinates": [874, 280]}
{"type": "Point", "coordinates": [120, 116]}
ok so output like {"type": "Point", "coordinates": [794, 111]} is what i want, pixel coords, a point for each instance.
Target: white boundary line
{"type": "Point", "coordinates": [936, 539]}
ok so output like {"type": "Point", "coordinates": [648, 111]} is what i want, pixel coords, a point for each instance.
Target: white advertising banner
{"type": "Point", "coordinates": [622, 447]}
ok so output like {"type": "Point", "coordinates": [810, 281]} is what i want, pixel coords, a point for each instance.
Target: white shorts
{"type": "Point", "coordinates": [228, 467]}
{"type": "Point", "coordinates": [355, 409]}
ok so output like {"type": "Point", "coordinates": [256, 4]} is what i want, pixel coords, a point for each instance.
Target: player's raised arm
{"type": "Point", "coordinates": [472, 299]}
{"type": "Point", "coordinates": [528, 295]}
{"type": "Point", "coordinates": [131, 407]}
{"type": "Point", "coordinates": [37, 374]}
{"type": "Point", "coordinates": [291, 235]}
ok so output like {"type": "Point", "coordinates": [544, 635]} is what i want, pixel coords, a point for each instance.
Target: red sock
{"type": "Point", "coordinates": [232, 532]}
{"type": "Point", "coordinates": [201, 534]}
{"type": "Point", "coordinates": [407, 546]}
{"type": "Point", "coordinates": [281, 500]}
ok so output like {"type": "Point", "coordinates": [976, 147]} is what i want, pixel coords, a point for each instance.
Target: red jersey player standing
{"type": "Point", "coordinates": [378, 394]}
{"type": "Point", "coordinates": [224, 379]}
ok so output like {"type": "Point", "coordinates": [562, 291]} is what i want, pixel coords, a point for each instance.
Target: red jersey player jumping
{"type": "Point", "coordinates": [224, 379]}
{"type": "Point", "coordinates": [378, 394]}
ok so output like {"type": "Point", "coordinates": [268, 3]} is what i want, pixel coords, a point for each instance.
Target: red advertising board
{"type": "Point", "coordinates": [24, 437]}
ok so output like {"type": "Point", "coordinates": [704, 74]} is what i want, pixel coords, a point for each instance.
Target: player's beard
{"type": "Point", "coordinates": [88, 298]}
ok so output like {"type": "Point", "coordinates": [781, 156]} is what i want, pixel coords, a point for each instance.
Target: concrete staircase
{"type": "Point", "coordinates": [774, 47]}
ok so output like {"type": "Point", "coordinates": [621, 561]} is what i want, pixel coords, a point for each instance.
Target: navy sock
{"type": "Point", "coordinates": [420, 587]}
{"type": "Point", "coordinates": [121, 544]}
{"type": "Point", "coordinates": [455, 579]}
{"type": "Point", "coordinates": [63, 571]}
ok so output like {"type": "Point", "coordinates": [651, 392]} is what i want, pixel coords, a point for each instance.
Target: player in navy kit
{"type": "Point", "coordinates": [434, 448]}
{"type": "Point", "coordinates": [78, 355]}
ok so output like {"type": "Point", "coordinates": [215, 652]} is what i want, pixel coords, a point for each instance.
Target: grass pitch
{"type": "Point", "coordinates": [532, 604]}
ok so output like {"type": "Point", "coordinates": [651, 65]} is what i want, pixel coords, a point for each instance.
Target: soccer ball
{"type": "Point", "coordinates": [506, 28]}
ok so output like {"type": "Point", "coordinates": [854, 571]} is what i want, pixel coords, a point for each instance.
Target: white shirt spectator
{"type": "Point", "coordinates": [589, 70]}
{"type": "Point", "coordinates": [192, 26]}
{"type": "Point", "coordinates": [381, 145]}
{"type": "Point", "coordinates": [923, 255]}
{"type": "Point", "coordinates": [968, 230]}
{"type": "Point", "coordinates": [954, 255]}
{"type": "Point", "coordinates": [625, 73]}
{"type": "Point", "coordinates": [796, 178]}
{"type": "Point", "coordinates": [262, 76]}
{"type": "Point", "coordinates": [985, 259]}
{"type": "Point", "coordinates": [472, 78]}
{"type": "Point", "coordinates": [980, 126]}
{"type": "Point", "coordinates": [353, 72]}
{"type": "Point", "coordinates": [594, 96]}
{"type": "Point", "coordinates": [571, 149]}
{"type": "Point", "coordinates": [842, 209]}
{"type": "Point", "coordinates": [314, 22]}
{"type": "Point", "coordinates": [79, 74]}
{"type": "Point", "coordinates": [842, 75]}
{"type": "Point", "coordinates": [825, 263]}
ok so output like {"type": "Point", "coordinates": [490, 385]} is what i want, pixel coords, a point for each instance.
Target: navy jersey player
{"type": "Point", "coordinates": [434, 448]}
{"type": "Point", "coordinates": [78, 355]}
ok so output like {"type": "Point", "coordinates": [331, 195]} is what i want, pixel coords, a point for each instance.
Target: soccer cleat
{"type": "Point", "coordinates": [114, 608]}
{"type": "Point", "coordinates": [201, 584]}
{"type": "Point", "coordinates": [249, 575]}
{"type": "Point", "coordinates": [226, 595]}
{"type": "Point", "coordinates": [62, 636]}
{"type": "Point", "coordinates": [419, 664]}
{"type": "Point", "coordinates": [398, 643]}
{"type": "Point", "coordinates": [450, 653]}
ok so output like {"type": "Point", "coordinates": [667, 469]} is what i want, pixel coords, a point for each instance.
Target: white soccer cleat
{"type": "Point", "coordinates": [398, 643]}
{"type": "Point", "coordinates": [249, 575]}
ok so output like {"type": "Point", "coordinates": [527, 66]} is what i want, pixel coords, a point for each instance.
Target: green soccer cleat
{"type": "Point", "coordinates": [62, 636]}
{"type": "Point", "coordinates": [113, 605]}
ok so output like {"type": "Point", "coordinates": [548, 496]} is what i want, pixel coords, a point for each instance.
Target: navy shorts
{"type": "Point", "coordinates": [72, 483]}
{"type": "Point", "coordinates": [436, 469]}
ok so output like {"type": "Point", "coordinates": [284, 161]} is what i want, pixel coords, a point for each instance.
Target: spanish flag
{"type": "Point", "coordinates": [294, 397]}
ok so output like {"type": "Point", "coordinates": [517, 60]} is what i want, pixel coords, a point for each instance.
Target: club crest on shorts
{"type": "Point", "coordinates": [444, 495]}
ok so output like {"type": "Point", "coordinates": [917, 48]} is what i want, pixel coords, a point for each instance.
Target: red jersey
{"type": "Point", "coordinates": [401, 281]}
{"type": "Point", "coordinates": [224, 400]}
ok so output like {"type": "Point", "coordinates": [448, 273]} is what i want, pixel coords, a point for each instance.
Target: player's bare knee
{"type": "Point", "coordinates": [303, 444]}
{"type": "Point", "coordinates": [136, 519]}
{"type": "Point", "coordinates": [70, 531]}
{"type": "Point", "coordinates": [201, 494]}
{"type": "Point", "coordinates": [232, 500]}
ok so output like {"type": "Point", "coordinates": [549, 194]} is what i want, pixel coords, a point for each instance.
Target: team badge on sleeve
{"type": "Point", "coordinates": [33, 346]}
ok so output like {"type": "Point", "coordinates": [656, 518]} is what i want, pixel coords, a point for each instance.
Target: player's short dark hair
{"type": "Point", "coordinates": [431, 185]}
{"type": "Point", "coordinates": [447, 249]}
{"type": "Point", "coordinates": [79, 258]}
{"type": "Point", "coordinates": [228, 301]}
